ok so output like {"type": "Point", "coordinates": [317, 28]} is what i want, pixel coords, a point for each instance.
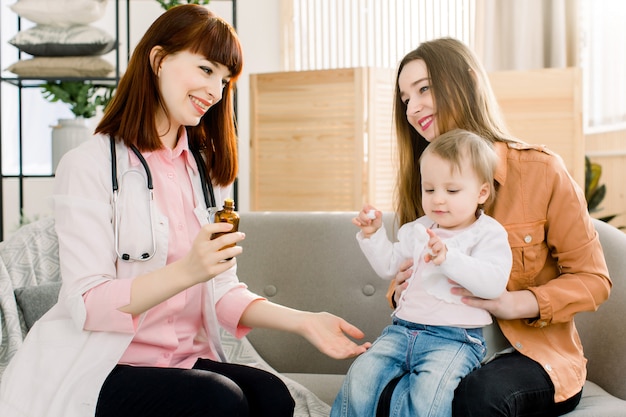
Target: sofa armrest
{"type": "Point", "coordinates": [603, 332]}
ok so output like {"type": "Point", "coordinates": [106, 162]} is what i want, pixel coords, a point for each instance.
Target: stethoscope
{"type": "Point", "coordinates": [207, 191]}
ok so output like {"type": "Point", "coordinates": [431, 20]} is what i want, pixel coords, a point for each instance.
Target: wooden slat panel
{"type": "Point", "coordinates": [304, 150]}
{"type": "Point", "coordinates": [323, 140]}
{"type": "Point", "coordinates": [545, 107]}
{"type": "Point", "coordinates": [382, 145]}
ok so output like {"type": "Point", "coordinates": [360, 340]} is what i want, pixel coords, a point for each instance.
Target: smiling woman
{"type": "Point", "coordinates": [146, 291]}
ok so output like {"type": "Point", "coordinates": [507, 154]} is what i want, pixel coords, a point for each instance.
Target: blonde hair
{"type": "Point", "coordinates": [459, 145]}
{"type": "Point", "coordinates": [463, 98]}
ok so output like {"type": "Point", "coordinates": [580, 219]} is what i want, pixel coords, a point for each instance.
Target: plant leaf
{"type": "Point", "coordinates": [596, 198]}
{"type": "Point", "coordinates": [84, 98]}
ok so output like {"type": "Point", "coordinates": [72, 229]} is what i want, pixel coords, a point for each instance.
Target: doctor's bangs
{"type": "Point", "coordinates": [218, 42]}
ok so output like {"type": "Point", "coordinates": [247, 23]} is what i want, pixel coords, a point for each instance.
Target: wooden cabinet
{"type": "Point", "coordinates": [324, 140]}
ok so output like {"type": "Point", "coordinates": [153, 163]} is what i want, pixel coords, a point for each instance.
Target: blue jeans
{"type": "Point", "coordinates": [431, 361]}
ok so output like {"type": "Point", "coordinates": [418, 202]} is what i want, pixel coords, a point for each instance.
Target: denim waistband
{"type": "Point", "coordinates": [474, 331]}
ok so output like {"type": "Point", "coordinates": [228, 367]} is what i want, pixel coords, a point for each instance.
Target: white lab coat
{"type": "Point", "coordinates": [60, 368]}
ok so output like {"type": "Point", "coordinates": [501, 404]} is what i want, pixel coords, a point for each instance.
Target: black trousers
{"type": "Point", "coordinates": [210, 389]}
{"type": "Point", "coordinates": [512, 385]}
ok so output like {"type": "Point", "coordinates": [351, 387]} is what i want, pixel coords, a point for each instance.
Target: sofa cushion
{"type": "Point", "coordinates": [34, 301]}
{"type": "Point", "coordinates": [598, 402]}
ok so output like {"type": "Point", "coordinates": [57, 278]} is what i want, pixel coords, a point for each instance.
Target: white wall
{"type": "Point", "coordinates": [258, 24]}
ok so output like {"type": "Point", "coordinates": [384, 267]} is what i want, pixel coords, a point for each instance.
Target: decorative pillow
{"type": "Point", "coordinates": [78, 40]}
{"type": "Point", "coordinates": [35, 301]}
{"type": "Point", "coordinates": [51, 67]}
{"type": "Point", "coordinates": [60, 12]}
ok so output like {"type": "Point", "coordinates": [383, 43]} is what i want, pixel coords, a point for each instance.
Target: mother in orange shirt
{"type": "Point", "coordinates": [558, 263]}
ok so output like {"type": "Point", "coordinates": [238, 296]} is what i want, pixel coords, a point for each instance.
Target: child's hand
{"type": "Point", "coordinates": [437, 249]}
{"type": "Point", "coordinates": [369, 220]}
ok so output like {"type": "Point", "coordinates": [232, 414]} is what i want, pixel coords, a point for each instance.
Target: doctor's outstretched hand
{"type": "Point", "coordinates": [330, 334]}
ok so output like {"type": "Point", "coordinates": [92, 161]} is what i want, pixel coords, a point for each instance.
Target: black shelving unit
{"type": "Point", "coordinates": [35, 82]}
{"type": "Point", "coordinates": [27, 82]}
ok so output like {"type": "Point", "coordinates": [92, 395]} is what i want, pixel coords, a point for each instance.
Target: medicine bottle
{"type": "Point", "coordinates": [227, 215]}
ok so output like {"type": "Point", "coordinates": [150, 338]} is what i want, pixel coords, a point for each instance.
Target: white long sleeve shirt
{"type": "Point", "coordinates": [478, 259]}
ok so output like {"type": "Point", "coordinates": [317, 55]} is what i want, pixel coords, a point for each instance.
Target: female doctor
{"type": "Point", "coordinates": [145, 290]}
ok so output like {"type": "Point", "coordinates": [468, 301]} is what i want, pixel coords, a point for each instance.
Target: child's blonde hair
{"type": "Point", "coordinates": [458, 145]}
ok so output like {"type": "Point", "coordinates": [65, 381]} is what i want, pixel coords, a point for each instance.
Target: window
{"type": "Point", "coordinates": [325, 34]}
{"type": "Point", "coordinates": [329, 34]}
{"type": "Point", "coordinates": [603, 60]}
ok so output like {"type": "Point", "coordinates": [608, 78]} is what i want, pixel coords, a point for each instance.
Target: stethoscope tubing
{"type": "Point", "coordinates": [207, 191]}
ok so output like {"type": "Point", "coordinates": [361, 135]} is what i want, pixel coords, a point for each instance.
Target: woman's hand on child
{"type": "Point", "coordinates": [510, 305]}
{"type": "Point", "coordinates": [401, 278]}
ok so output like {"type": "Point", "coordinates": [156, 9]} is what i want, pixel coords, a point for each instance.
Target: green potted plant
{"type": "Point", "coordinates": [84, 99]}
{"type": "Point", "coordinates": [594, 191]}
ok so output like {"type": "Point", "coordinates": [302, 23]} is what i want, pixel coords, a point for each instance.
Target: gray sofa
{"type": "Point", "coordinates": [310, 260]}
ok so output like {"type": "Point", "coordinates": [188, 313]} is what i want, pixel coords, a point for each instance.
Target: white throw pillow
{"type": "Point", "coordinates": [60, 12]}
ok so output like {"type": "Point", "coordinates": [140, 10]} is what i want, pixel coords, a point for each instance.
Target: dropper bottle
{"type": "Point", "coordinates": [227, 215]}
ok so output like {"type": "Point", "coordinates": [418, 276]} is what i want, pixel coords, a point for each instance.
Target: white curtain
{"type": "Point", "coordinates": [529, 34]}
{"type": "Point", "coordinates": [325, 34]}
{"type": "Point", "coordinates": [604, 63]}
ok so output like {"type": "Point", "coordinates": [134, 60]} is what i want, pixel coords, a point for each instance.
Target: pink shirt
{"type": "Point", "coordinates": [172, 333]}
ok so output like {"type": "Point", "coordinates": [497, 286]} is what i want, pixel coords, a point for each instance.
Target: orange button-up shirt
{"type": "Point", "coordinates": [556, 255]}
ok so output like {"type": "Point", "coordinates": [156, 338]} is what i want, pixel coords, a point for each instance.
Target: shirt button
{"type": "Point", "coordinates": [548, 367]}
{"type": "Point", "coordinates": [518, 345]}
{"type": "Point", "coordinates": [170, 175]}
{"type": "Point", "coordinates": [528, 238]}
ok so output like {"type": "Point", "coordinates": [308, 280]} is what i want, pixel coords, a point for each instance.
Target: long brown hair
{"type": "Point", "coordinates": [463, 98]}
{"type": "Point", "coordinates": [131, 114]}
